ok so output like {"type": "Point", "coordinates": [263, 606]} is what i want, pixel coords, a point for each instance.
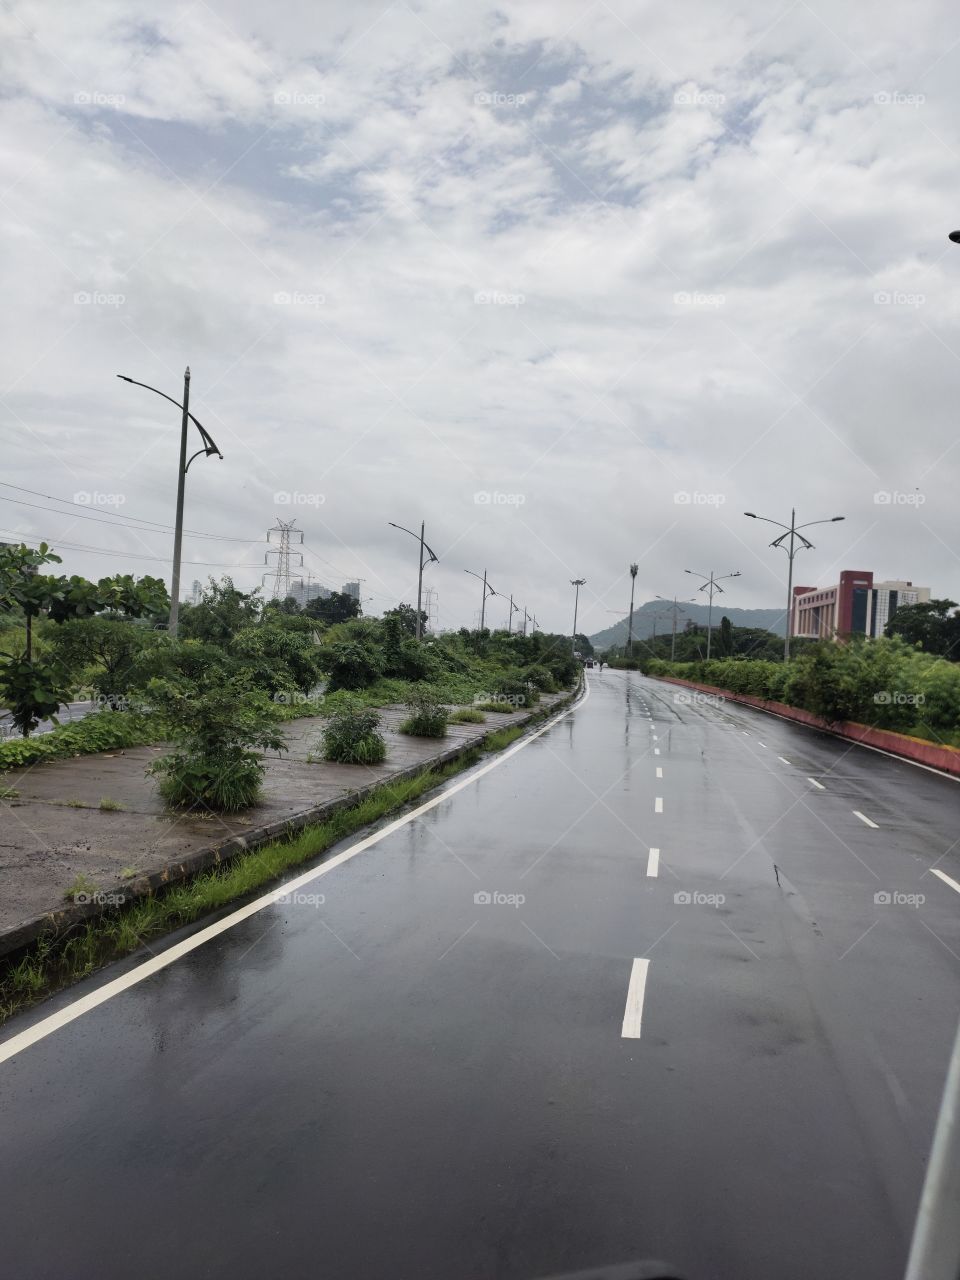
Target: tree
{"type": "Point", "coordinates": [725, 638]}
{"type": "Point", "coordinates": [221, 613]}
{"type": "Point", "coordinates": [337, 607]}
{"type": "Point", "coordinates": [929, 625]}
{"type": "Point", "coordinates": [111, 645]}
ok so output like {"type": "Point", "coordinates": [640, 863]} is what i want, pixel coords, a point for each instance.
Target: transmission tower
{"type": "Point", "coordinates": [279, 573]}
{"type": "Point", "coordinates": [431, 607]}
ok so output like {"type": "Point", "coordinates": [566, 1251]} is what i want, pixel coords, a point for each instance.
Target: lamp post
{"type": "Point", "coordinates": [514, 608]}
{"type": "Point", "coordinates": [712, 587]}
{"type": "Point", "coordinates": [209, 447]}
{"type": "Point", "coordinates": [577, 583]}
{"type": "Point", "coordinates": [432, 560]}
{"type": "Point", "coordinates": [791, 531]}
{"type": "Point", "coordinates": [633, 583]}
{"type": "Point", "coordinates": [676, 609]}
{"type": "Point", "coordinates": [487, 591]}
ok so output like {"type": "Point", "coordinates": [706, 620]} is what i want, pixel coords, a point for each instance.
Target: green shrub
{"type": "Point", "coordinates": [352, 735]}
{"type": "Point", "coordinates": [467, 715]}
{"type": "Point", "coordinates": [99, 731]}
{"type": "Point", "coordinates": [220, 729]}
{"type": "Point", "coordinates": [501, 706]}
{"type": "Point", "coordinates": [541, 678]}
{"type": "Point", "coordinates": [352, 665]}
{"type": "Point", "coordinates": [516, 690]}
{"type": "Point", "coordinates": [428, 717]}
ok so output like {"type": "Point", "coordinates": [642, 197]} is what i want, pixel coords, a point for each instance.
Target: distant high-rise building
{"type": "Point", "coordinates": [855, 606]}
{"type": "Point", "coordinates": [302, 591]}
{"type": "Point", "coordinates": [351, 589]}
{"type": "Point", "coordinates": [196, 593]}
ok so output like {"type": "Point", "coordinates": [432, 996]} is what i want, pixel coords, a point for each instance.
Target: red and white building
{"type": "Point", "coordinates": [855, 606]}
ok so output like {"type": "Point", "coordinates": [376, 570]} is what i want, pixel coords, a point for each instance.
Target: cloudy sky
{"type": "Point", "coordinates": [575, 283]}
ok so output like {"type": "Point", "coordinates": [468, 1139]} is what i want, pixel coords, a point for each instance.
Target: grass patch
{"type": "Point", "coordinates": [501, 708]}
{"type": "Point", "coordinates": [110, 806]}
{"type": "Point", "coordinates": [81, 885]}
{"type": "Point", "coordinates": [502, 738]}
{"type": "Point", "coordinates": [52, 964]}
{"type": "Point", "coordinates": [467, 715]}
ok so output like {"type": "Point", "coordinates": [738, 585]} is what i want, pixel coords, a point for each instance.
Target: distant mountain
{"type": "Point", "coordinates": [643, 621]}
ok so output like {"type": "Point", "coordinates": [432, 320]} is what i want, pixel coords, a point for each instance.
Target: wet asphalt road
{"type": "Point", "coordinates": [402, 1082]}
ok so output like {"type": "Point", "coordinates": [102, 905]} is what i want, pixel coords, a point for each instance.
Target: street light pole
{"type": "Point", "coordinates": [633, 582]}
{"type": "Point", "coordinates": [676, 610]}
{"type": "Point", "coordinates": [487, 590]}
{"type": "Point", "coordinates": [791, 531]}
{"type": "Point", "coordinates": [577, 583]}
{"type": "Point", "coordinates": [209, 447]}
{"type": "Point", "coordinates": [712, 587]}
{"type": "Point", "coordinates": [514, 608]}
{"type": "Point", "coordinates": [432, 560]}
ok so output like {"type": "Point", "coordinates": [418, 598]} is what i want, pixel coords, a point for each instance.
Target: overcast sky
{"type": "Point", "coordinates": [575, 283]}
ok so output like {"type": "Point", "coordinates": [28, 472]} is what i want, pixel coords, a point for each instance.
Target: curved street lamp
{"type": "Point", "coordinates": [209, 447]}
{"type": "Point", "coordinates": [791, 531]}
{"type": "Point", "coordinates": [487, 591]}
{"type": "Point", "coordinates": [433, 559]}
{"type": "Point", "coordinates": [710, 585]}
{"type": "Point", "coordinates": [578, 583]}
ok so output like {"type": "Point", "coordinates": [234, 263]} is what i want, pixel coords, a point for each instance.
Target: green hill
{"type": "Point", "coordinates": [654, 613]}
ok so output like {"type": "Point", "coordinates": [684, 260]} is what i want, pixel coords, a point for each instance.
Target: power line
{"type": "Point", "coordinates": [125, 521]}
{"type": "Point", "coordinates": [133, 555]}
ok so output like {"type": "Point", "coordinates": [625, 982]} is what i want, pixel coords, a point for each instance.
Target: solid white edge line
{"type": "Point", "coordinates": [633, 1014]}
{"type": "Point", "coordinates": [946, 879]}
{"type": "Point", "coordinates": [653, 862]}
{"type": "Point", "coordinates": [658, 805]}
{"type": "Point", "coordinates": [46, 1026]}
{"type": "Point", "coordinates": [863, 818]}
{"type": "Point", "coordinates": [785, 761]}
{"type": "Point", "coordinates": [815, 783]}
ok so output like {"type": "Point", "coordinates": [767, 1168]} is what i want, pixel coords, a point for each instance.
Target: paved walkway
{"type": "Point", "coordinates": [54, 830]}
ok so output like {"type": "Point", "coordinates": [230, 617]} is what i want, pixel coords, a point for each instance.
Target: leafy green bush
{"type": "Point", "coordinates": [220, 729]}
{"type": "Point", "coordinates": [352, 665]}
{"type": "Point", "coordinates": [100, 731]}
{"type": "Point", "coordinates": [517, 691]}
{"type": "Point", "coordinates": [501, 706]}
{"type": "Point", "coordinates": [428, 717]}
{"type": "Point", "coordinates": [352, 735]}
{"type": "Point", "coordinates": [541, 678]}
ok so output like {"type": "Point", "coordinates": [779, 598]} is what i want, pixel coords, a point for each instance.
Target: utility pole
{"type": "Point", "coordinates": [514, 608]}
{"type": "Point", "coordinates": [209, 447]}
{"type": "Point", "coordinates": [676, 609]}
{"type": "Point", "coordinates": [525, 617]}
{"type": "Point", "coordinates": [420, 565]}
{"type": "Point", "coordinates": [577, 583]}
{"type": "Point", "coordinates": [487, 590]}
{"type": "Point", "coordinates": [712, 587]}
{"type": "Point", "coordinates": [633, 580]}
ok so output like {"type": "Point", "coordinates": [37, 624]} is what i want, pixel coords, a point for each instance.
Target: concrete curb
{"type": "Point", "coordinates": [944, 759]}
{"type": "Point", "coordinates": [54, 924]}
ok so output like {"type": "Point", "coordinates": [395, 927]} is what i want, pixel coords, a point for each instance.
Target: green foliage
{"type": "Point", "coordinates": [338, 607]}
{"type": "Point", "coordinates": [352, 665]}
{"type": "Point", "coordinates": [103, 652]}
{"type": "Point", "coordinates": [467, 715]}
{"type": "Point", "coordinates": [277, 658]}
{"type": "Point", "coordinates": [220, 729]}
{"type": "Point", "coordinates": [33, 691]}
{"type": "Point", "coordinates": [100, 731]}
{"type": "Point", "coordinates": [352, 736]}
{"type": "Point", "coordinates": [223, 611]}
{"type": "Point", "coordinates": [541, 678]}
{"type": "Point", "coordinates": [930, 626]}
{"type": "Point", "coordinates": [428, 717]}
{"type": "Point", "coordinates": [502, 738]}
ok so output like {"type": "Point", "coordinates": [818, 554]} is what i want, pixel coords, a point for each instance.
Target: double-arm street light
{"type": "Point", "coordinates": [796, 542]}
{"type": "Point", "coordinates": [432, 559]}
{"type": "Point", "coordinates": [514, 608]}
{"type": "Point", "coordinates": [710, 585]}
{"type": "Point", "coordinates": [578, 583]}
{"type": "Point", "coordinates": [487, 591]}
{"type": "Point", "coordinates": [209, 447]}
{"type": "Point", "coordinates": [674, 609]}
